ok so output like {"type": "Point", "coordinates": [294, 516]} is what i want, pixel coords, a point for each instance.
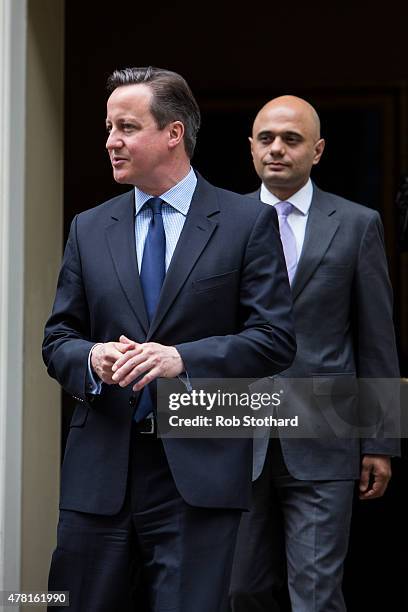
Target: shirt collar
{"type": "Point", "coordinates": [301, 200]}
{"type": "Point", "coordinates": [179, 196]}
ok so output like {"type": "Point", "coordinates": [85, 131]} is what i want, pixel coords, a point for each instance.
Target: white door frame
{"type": "Point", "coordinates": [12, 171]}
{"type": "Point", "coordinates": [31, 223]}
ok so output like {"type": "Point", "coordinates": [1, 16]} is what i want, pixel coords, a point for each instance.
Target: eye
{"type": "Point", "coordinates": [108, 128]}
{"type": "Point", "coordinates": [292, 139]}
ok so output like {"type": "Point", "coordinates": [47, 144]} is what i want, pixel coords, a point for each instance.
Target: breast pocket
{"type": "Point", "coordinates": [212, 283]}
{"type": "Point", "coordinates": [332, 270]}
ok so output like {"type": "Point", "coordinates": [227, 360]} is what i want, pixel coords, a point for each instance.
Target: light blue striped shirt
{"type": "Point", "coordinates": [176, 204]}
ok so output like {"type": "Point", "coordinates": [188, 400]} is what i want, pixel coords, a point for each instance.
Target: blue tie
{"type": "Point", "coordinates": [154, 258]}
{"type": "Point", "coordinates": [151, 277]}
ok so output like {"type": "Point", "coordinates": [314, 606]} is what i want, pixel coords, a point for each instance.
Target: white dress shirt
{"type": "Point", "coordinates": [301, 201]}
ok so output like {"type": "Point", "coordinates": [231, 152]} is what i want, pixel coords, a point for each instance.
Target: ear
{"type": "Point", "coordinates": [319, 148]}
{"type": "Point", "coordinates": [176, 133]}
{"type": "Point", "coordinates": [251, 142]}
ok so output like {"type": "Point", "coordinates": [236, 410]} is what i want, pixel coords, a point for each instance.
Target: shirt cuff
{"type": "Point", "coordinates": [185, 379]}
{"type": "Point", "coordinates": [93, 382]}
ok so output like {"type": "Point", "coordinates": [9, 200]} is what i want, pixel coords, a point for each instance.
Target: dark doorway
{"type": "Point", "coordinates": [234, 63]}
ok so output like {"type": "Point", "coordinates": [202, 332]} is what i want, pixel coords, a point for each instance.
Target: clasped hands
{"type": "Point", "coordinates": [125, 361]}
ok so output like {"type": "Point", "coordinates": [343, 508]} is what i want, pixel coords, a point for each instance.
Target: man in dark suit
{"type": "Point", "coordinates": [298, 526]}
{"type": "Point", "coordinates": [175, 278]}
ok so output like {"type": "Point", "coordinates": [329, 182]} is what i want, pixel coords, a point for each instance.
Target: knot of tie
{"type": "Point", "coordinates": [156, 205]}
{"type": "Point", "coordinates": [283, 208]}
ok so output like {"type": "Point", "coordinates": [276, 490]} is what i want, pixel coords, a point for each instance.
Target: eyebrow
{"type": "Point", "coordinates": [287, 133]}
{"type": "Point", "coordinates": [122, 119]}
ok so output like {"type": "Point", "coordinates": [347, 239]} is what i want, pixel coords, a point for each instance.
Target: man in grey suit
{"type": "Point", "coordinates": [298, 526]}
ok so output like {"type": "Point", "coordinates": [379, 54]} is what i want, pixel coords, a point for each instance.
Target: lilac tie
{"type": "Point", "coordinates": [288, 237]}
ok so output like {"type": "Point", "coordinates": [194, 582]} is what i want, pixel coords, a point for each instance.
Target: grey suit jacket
{"type": "Point", "coordinates": [343, 322]}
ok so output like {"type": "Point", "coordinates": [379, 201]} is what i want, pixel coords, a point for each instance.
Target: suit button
{"type": "Point", "coordinates": [132, 401]}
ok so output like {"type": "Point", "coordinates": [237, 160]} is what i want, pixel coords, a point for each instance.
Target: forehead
{"type": "Point", "coordinates": [282, 119]}
{"type": "Point", "coordinates": [129, 99]}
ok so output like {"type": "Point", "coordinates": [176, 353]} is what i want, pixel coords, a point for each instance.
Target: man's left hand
{"type": "Point", "coordinates": [375, 476]}
{"type": "Point", "coordinates": [151, 359]}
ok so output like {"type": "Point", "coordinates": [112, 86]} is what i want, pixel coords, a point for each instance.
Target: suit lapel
{"type": "Point", "coordinates": [255, 194]}
{"type": "Point", "coordinates": [197, 231]}
{"type": "Point", "coordinates": [120, 235]}
{"type": "Point", "coordinates": [320, 230]}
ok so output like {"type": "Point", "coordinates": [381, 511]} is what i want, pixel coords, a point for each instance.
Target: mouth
{"type": "Point", "coordinates": [276, 165]}
{"type": "Point", "coordinates": [118, 161]}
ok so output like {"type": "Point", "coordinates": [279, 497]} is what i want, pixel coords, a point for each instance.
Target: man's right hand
{"type": "Point", "coordinates": [103, 356]}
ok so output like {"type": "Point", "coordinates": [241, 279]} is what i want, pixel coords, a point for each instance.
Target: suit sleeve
{"type": "Point", "coordinates": [265, 344]}
{"type": "Point", "coordinates": [66, 343]}
{"type": "Point", "coordinates": [377, 360]}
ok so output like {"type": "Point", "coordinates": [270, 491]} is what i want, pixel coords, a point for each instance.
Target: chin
{"type": "Point", "coordinates": [275, 179]}
{"type": "Point", "coordinates": [120, 178]}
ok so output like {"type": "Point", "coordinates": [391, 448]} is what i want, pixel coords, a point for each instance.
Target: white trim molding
{"type": "Point", "coordinates": [13, 32]}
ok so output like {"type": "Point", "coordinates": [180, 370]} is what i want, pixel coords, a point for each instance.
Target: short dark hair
{"type": "Point", "coordinates": [172, 98]}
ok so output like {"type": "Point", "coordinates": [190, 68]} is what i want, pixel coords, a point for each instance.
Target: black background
{"type": "Point", "coordinates": [347, 60]}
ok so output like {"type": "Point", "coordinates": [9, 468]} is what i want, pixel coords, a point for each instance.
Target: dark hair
{"type": "Point", "coordinates": [172, 98]}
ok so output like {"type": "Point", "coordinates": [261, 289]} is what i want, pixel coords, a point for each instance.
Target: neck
{"type": "Point", "coordinates": [284, 192]}
{"type": "Point", "coordinates": [166, 177]}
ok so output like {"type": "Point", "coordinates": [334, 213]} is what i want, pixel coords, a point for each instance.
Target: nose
{"type": "Point", "coordinates": [113, 141]}
{"type": "Point", "coordinates": [277, 146]}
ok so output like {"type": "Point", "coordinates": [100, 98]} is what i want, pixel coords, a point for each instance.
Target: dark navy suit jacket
{"type": "Point", "coordinates": [225, 304]}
